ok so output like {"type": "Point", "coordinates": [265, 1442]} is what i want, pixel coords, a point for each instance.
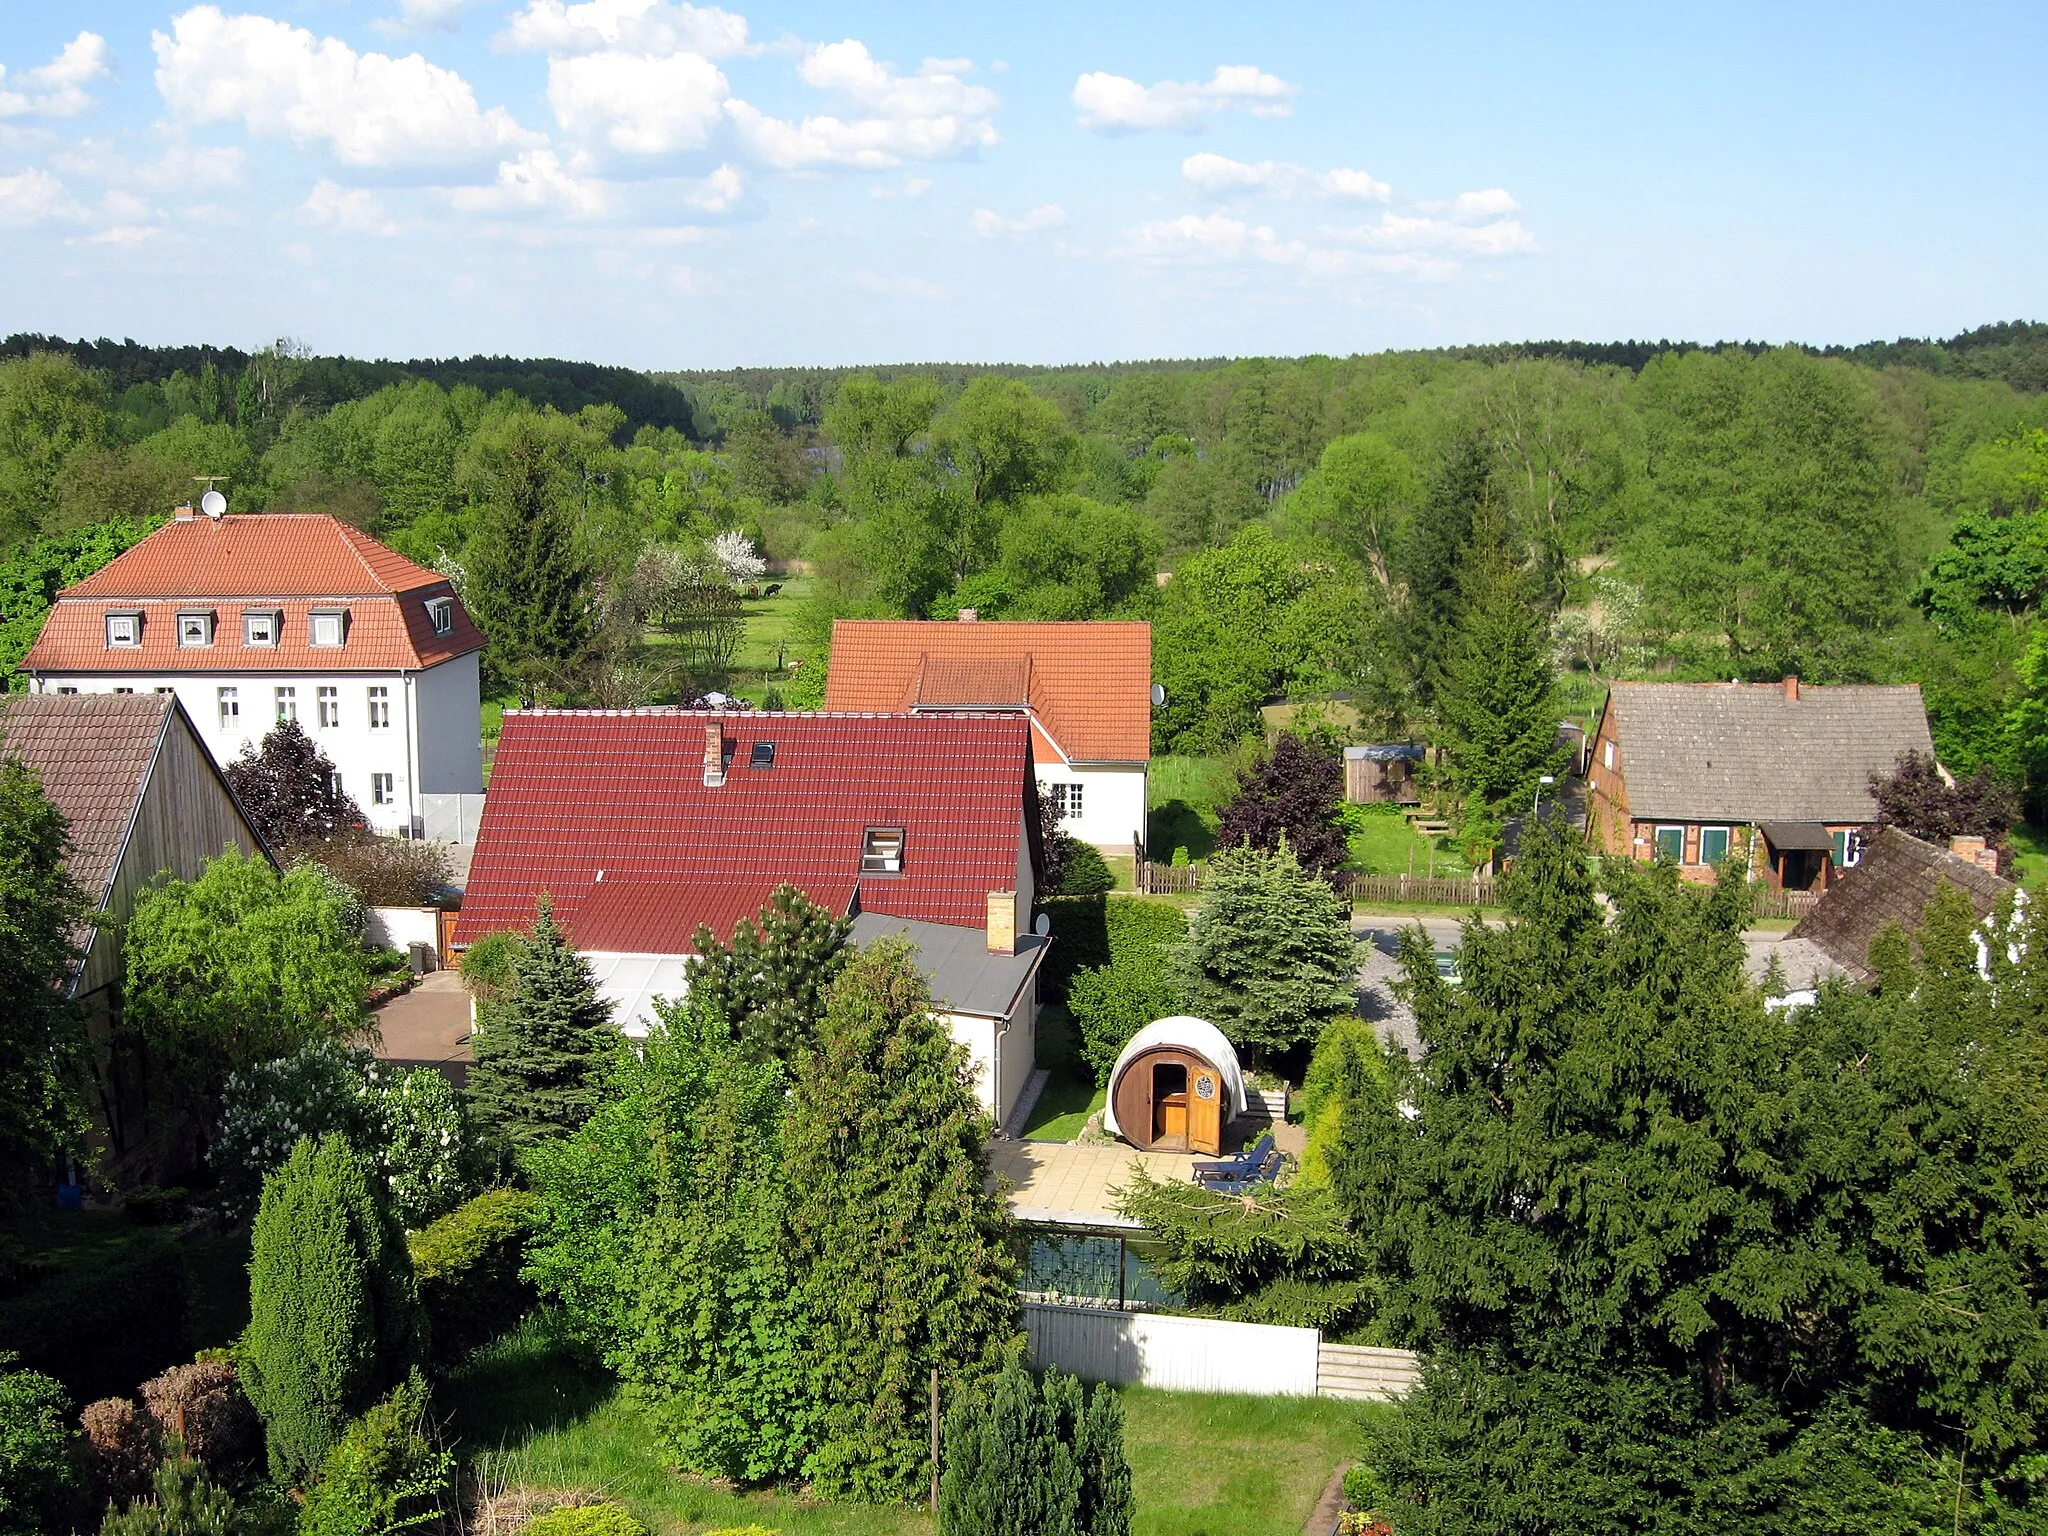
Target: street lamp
{"type": "Point", "coordinates": [1536, 814]}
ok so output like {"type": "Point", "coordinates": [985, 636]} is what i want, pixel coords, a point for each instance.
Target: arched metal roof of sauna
{"type": "Point", "coordinates": [1181, 1032]}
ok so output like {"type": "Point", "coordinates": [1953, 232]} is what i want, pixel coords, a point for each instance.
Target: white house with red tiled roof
{"type": "Point", "coordinates": [249, 620]}
{"type": "Point", "coordinates": [1086, 688]}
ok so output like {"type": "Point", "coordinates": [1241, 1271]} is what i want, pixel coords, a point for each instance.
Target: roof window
{"type": "Point", "coordinates": [881, 851]}
{"type": "Point", "coordinates": [261, 626]}
{"type": "Point", "coordinates": [441, 613]}
{"type": "Point", "coordinates": [195, 627]}
{"type": "Point", "coordinates": [329, 626]}
{"type": "Point", "coordinates": [124, 630]}
{"type": "Point", "coordinates": [763, 755]}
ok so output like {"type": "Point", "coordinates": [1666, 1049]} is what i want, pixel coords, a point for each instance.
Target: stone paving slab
{"type": "Point", "coordinates": [1064, 1181]}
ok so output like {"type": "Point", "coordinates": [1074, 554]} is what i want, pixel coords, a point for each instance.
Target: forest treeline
{"type": "Point", "coordinates": [1385, 527]}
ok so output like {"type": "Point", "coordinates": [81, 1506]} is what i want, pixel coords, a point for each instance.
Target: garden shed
{"type": "Point", "coordinates": [1174, 1088]}
{"type": "Point", "coordinates": [1382, 773]}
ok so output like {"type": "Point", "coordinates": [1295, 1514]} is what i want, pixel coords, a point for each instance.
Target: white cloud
{"type": "Point", "coordinates": [58, 88]}
{"type": "Point", "coordinates": [1116, 104]}
{"type": "Point", "coordinates": [1409, 232]}
{"type": "Point", "coordinates": [637, 103]}
{"type": "Point", "coordinates": [1493, 203]}
{"type": "Point", "coordinates": [1209, 237]}
{"type": "Point", "coordinates": [124, 234]}
{"type": "Point", "coordinates": [536, 182]}
{"type": "Point", "coordinates": [640, 26]}
{"type": "Point", "coordinates": [931, 115]}
{"type": "Point", "coordinates": [180, 168]}
{"type": "Point", "coordinates": [281, 81]}
{"type": "Point", "coordinates": [991, 225]}
{"type": "Point", "coordinates": [720, 192]}
{"type": "Point", "coordinates": [32, 196]}
{"type": "Point", "coordinates": [352, 210]}
{"type": "Point", "coordinates": [1219, 176]}
{"type": "Point", "coordinates": [422, 16]}
{"type": "Point", "coordinates": [913, 186]}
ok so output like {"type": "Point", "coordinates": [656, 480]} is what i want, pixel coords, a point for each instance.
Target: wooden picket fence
{"type": "Point", "coordinates": [1368, 890]}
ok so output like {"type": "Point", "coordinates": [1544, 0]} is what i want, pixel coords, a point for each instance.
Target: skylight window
{"type": "Point", "coordinates": [763, 755]}
{"type": "Point", "coordinates": [881, 852]}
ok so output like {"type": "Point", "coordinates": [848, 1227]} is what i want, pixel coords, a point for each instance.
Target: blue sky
{"type": "Point", "coordinates": [652, 183]}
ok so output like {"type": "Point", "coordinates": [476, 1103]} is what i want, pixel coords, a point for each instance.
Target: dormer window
{"type": "Point", "coordinates": [195, 627]}
{"type": "Point", "coordinates": [881, 852]}
{"type": "Point", "coordinates": [441, 614]}
{"type": "Point", "coordinates": [261, 626]}
{"type": "Point", "coordinates": [329, 626]}
{"type": "Point", "coordinates": [124, 630]}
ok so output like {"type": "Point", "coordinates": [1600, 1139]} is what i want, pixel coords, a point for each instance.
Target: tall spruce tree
{"type": "Point", "coordinates": [334, 1320]}
{"type": "Point", "coordinates": [1496, 710]}
{"type": "Point", "coordinates": [902, 1248]}
{"type": "Point", "coordinates": [773, 978]}
{"type": "Point", "coordinates": [1268, 955]}
{"type": "Point", "coordinates": [542, 1048]}
{"type": "Point", "coordinates": [529, 581]}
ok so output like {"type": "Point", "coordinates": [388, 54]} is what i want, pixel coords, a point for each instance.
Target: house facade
{"type": "Point", "coordinates": [1084, 688]}
{"type": "Point", "coordinates": [1775, 775]}
{"type": "Point", "coordinates": [641, 826]}
{"type": "Point", "coordinates": [249, 620]}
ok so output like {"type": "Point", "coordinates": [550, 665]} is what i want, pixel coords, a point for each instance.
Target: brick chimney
{"type": "Point", "coordinates": [1976, 850]}
{"type": "Point", "coordinates": [969, 615]}
{"type": "Point", "coordinates": [1792, 688]}
{"type": "Point", "coordinates": [183, 512]}
{"type": "Point", "coordinates": [1002, 922]}
{"type": "Point", "coordinates": [714, 754]}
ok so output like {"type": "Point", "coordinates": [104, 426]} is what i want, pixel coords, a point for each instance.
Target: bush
{"type": "Point", "coordinates": [385, 1475]}
{"type": "Point", "coordinates": [601, 1520]}
{"type": "Point", "coordinates": [1112, 1002]}
{"type": "Point", "coordinates": [384, 871]}
{"type": "Point", "coordinates": [333, 1318]}
{"type": "Point", "coordinates": [1087, 872]}
{"type": "Point", "coordinates": [39, 1456]}
{"type": "Point", "coordinates": [1030, 1458]}
{"type": "Point", "coordinates": [204, 1406]}
{"type": "Point", "coordinates": [148, 1206]}
{"type": "Point", "coordinates": [183, 1503]}
{"type": "Point", "coordinates": [1346, 1078]}
{"type": "Point", "coordinates": [102, 1329]}
{"type": "Point", "coordinates": [466, 1266]}
{"type": "Point", "coordinates": [120, 1449]}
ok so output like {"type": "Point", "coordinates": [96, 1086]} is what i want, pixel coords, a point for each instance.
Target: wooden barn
{"type": "Point", "coordinates": [1175, 1087]}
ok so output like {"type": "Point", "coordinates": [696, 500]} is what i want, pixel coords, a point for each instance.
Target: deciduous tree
{"type": "Point", "coordinates": [290, 790]}
{"type": "Point", "coordinates": [1290, 793]}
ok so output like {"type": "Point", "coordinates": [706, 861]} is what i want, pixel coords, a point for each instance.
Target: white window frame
{"type": "Point", "coordinates": [1850, 845]}
{"type": "Point", "coordinates": [287, 698]}
{"type": "Point", "coordinates": [328, 701]}
{"type": "Point", "coordinates": [229, 701]}
{"type": "Point", "coordinates": [380, 708]}
{"type": "Point", "coordinates": [269, 620]}
{"type": "Point", "coordinates": [881, 851]}
{"type": "Point", "coordinates": [336, 618]}
{"type": "Point", "coordinates": [441, 614]}
{"type": "Point", "coordinates": [1607, 755]}
{"type": "Point", "coordinates": [203, 617]}
{"type": "Point", "coordinates": [1727, 843]}
{"type": "Point", "coordinates": [1657, 838]}
{"type": "Point", "coordinates": [382, 790]}
{"type": "Point", "coordinates": [132, 620]}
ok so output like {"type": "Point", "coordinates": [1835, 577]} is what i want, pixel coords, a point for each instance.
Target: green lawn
{"type": "Point", "coordinates": [1390, 845]}
{"type": "Point", "coordinates": [1201, 1465]}
{"type": "Point", "coordinates": [2030, 855]}
{"type": "Point", "coordinates": [1070, 1095]}
{"type": "Point", "coordinates": [1184, 794]}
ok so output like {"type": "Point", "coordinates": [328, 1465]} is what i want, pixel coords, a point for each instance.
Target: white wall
{"type": "Point", "coordinates": [1181, 1354]}
{"type": "Point", "coordinates": [977, 1036]}
{"type": "Point", "coordinates": [399, 927]}
{"type": "Point", "coordinates": [1017, 1053]}
{"type": "Point", "coordinates": [356, 748]}
{"type": "Point", "coordinates": [451, 734]}
{"type": "Point", "coordinates": [1112, 801]}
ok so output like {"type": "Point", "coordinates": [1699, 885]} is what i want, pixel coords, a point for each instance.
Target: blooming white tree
{"type": "Point", "coordinates": [734, 552]}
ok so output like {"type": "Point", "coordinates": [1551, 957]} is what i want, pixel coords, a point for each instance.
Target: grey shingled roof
{"type": "Point", "coordinates": [1893, 883]}
{"type": "Point", "coordinates": [1743, 752]}
{"type": "Point", "coordinates": [965, 977]}
{"type": "Point", "coordinates": [93, 753]}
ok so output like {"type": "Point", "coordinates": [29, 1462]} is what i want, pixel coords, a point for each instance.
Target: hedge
{"type": "Point", "coordinates": [103, 1330]}
{"type": "Point", "coordinates": [467, 1268]}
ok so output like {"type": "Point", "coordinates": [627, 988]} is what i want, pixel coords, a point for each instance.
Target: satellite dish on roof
{"type": "Point", "coordinates": [1158, 695]}
{"type": "Point", "coordinates": [213, 504]}
{"type": "Point", "coordinates": [1042, 924]}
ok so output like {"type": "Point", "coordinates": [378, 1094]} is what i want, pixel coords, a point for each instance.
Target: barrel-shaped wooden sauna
{"type": "Point", "coordinates": [1174, 1088]}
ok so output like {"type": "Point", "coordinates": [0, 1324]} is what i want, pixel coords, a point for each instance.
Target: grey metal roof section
{"type": "Point", "coordinates": [1743, 752]}
{"type": "Point", "coordinates": [965, 977]}
{"type": "Point", "coordinates": [1386, 752]}
{"type": "Point", "coordinates": [1798, 836]}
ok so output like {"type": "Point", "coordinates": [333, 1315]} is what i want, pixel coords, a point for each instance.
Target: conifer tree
{"type": "Point", "coordinates": [333, 1317]}
{"type": "Point", "coordinates": [1269, 954]}
{"type": "Point", "coordinates": [1031, 1458]}
{"type": "Point", "coordinates": [542, 1048]}
{"type": "Point", "coordinates": [902, 1248]}
{"type": "Point", "coordinates": [528, 581]}
{"type": "Point", "coordinates": [772, 979]}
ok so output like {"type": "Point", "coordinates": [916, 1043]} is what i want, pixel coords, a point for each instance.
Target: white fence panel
{"type": "Point", "coordinates": [450, 818]}
{"type": "Point", "coordinates": [401, 927]}
{"type": "Point", "coordinates": [1184, 1354]}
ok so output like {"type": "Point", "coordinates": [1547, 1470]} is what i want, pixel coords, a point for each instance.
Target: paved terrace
{"type": "Point", "coordinates": [1066, 1182]}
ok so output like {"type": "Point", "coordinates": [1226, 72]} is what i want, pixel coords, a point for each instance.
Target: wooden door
{"type": "Point", "coordinates": [1205, 1112]}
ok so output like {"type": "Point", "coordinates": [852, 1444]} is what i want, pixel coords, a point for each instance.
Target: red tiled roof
{"type": "Point", "coordinates": [1089, 685]}
{"type": "Point", "coordinates": [575, 791]}
{"type": "Point", "coordinates": [92, 753]}
{"type": "Point", "coordinates": [292, 563]}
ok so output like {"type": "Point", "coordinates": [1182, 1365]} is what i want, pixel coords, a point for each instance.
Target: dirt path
{"type": "Point", "coordinates": [1323, 1519]}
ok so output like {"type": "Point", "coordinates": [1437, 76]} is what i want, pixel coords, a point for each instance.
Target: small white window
{"type": "Point", "coordinates": [230, 708]}
{"type": "Point", "coordinates": [330, 708]}
{"type": "Point", "coordinates": [441, 611]}
{"type": "Point", "coordinates": [1713, 844]}
{"type": "Point", "coordinates": [259, 626]}
{"type": "Point", "coordinates": [287, 703]}
{"type": "Point", "coordinates": [124, 629]}
{"type": "Point", "coordinates": [1070, 802]}
{"type": "Point", "coordinates": [195, 628]}
{"type": "Point", "coordinates": [67, 690]}
{"type": "Point", "coordinates": [334, 785]}
{"type": "Point", "coordinates": [330, 626]}
{"type": "Point", "coordinates": [881, 852]}
{"type": "Point", "coordinates": [165, 690]}
{"type": "Point", "coordinates": [380, 709]}
{"type": "Point", "coordinates": [380, 789]}
{"type": "Point", "coordinates": [1607, 755]}
{"type": "Point", "coordinates": [124, 690]}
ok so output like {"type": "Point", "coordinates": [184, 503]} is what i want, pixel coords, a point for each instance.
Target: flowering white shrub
{"type": "Point", "coordinates": [407, 1121]}
{"type": "Point", "coordinates": [734, 552]}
